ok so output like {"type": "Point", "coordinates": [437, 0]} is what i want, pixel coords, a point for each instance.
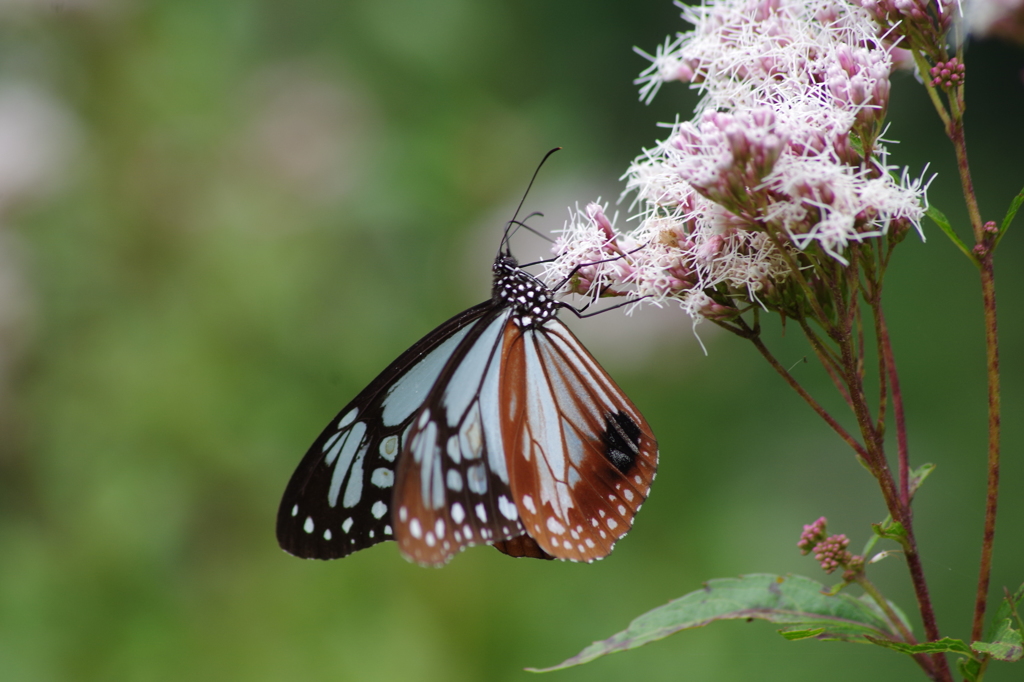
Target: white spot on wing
{"type": "Point", "coordinates": [481, 512]}
{"type": "Point", "coordinates": [454, 480]}
{"type": "Point", "coordinates": [416, 529]}
{"type": "Point", "coordinates": [383, 478]}
{"type": "Point", "coordinates": [354, 489]}
{"type": "Point", "coordinates": [453, 449]}
{"type": "Point", "coordinates": [507, 508]}
{"type": "Point", "coordinates": [349, 417]}
{"type": "Point", "coordinates": [344, 450]}
{"type": "Point", "coordinates": [295, 510]}
{"type": "Point", "coordinates": [476, 478]}
{"type": "Point", "coordinates": [554, 526]}
{"type": "Point", "coordinates": [308, 525]}
{"type": "Point", "coordinates": [327, 534]}
{"type": "Point", "coordinates": [471, 436]}
{"type": "Point", "coordinates": [458, 513]}
{"type": "Point", "coordinates": [331, 441]}
{"type": "Point", "coordinates": [426, 452]}
{"type": "Point", "coordinates": [347, 525]}
{"type": "Point", "coordinates": [389, 448]}
{"type": "Point", "coordinates": [378, 509]}
{"type": "Point", "coordinates": [528, 503]}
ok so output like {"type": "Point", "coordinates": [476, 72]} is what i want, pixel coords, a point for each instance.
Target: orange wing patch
{"type": "Point", "coordinates": [581, 457]}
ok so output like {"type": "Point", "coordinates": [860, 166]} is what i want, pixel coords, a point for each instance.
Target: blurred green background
{"type": "Point", "coordinates": [220, 219]}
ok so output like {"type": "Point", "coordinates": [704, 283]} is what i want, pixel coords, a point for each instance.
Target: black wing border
{"type": "Point", "coordinates": [290, 537]}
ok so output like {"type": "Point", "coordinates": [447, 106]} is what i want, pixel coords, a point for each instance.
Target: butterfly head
{"type": "Point", "coordinates": [532, 303]}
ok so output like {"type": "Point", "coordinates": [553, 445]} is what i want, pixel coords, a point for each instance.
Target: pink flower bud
{"type": "Point", "coordinates": [831, 552]}
{"type": "Point", "coordinates": [813, 534]}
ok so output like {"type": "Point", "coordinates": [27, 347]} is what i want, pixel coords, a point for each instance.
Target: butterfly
{"type": "Point", "coordinates": [498, 427]}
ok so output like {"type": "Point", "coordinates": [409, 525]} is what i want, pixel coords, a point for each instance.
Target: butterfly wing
{"type": "Point", "coordinates": [581, 457]}
{"type": "Point", "coordinates": [452, 489]}
{"type": "Point", "coordinates": [339, 499]}
{"type": "Point", "coordinates": [482, 433]}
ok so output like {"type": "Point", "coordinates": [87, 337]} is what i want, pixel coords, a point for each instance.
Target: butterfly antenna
{"type": "Point", "coordinates": [504, 240]}
{"type": "Point", "coordinates": [522, 224]}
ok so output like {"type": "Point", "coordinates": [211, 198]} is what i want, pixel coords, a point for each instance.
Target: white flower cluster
{"type": "Point", "coordinates": [784, 154]}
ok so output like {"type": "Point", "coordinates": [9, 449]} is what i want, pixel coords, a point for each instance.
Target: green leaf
{"type": "Point", "coordinates": [944, 645]}
{"type": "Point", "coordinates": [890, 530]}
{"type": "Point", "coordinates": [1006, 645]}
{"type": "Point", "coordinates": [795, 601]}
{"type": "Point", "coordinates": [1010, 214]}
{"type": "Point", "coordinates": [887, 529]}
{"type": "Point", "coordinates": [1007, 609]}
{"type": "Point", "coordinates": [969, 668]}
{"type": "Point", "coordinates": [794, 635]}
{"type": "Point", "coordinates": [917, 477]}
{"type": "Point", "coordinates": [939, 219]}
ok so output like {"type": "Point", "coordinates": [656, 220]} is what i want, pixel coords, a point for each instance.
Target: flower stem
{"type": "Point", "coordinates": [888, 362]}
{"type": "Point", "coordinates": [984, 251]}
{"type": "Point", "coordinates": [880, 467]}
{"type": "Point", "coordinates": [988, 290]}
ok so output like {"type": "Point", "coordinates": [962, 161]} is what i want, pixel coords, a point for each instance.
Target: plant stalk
{"type": "Point", "coordinates": [888, 362]}
{"type": "Point", "coordinates": [988, 289]}
{"type": "Point", "coordinates": [874, 443]}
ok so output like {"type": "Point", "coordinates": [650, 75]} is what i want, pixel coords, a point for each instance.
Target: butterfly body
{"type": "Point", "coordinates": [498, 427]}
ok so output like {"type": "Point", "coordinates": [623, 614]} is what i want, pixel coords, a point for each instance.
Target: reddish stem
{"type": "Point", "coordinates": [988, 290]}
{"type": "Point", "coordinates": [955, 131]}
{"type": "Point", "coordinates": [874, 443]}
{"type": "Point", "coordinates": [888, 360]}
